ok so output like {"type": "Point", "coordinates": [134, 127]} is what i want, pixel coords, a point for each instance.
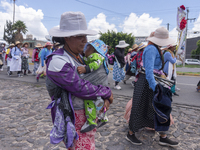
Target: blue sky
{"type": "Point", "coordinates": [159, 12]}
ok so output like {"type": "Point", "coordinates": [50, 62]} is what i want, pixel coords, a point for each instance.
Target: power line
{"type": "Point", "coordinates": [100, 8]}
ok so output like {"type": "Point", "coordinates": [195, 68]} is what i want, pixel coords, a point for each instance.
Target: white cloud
{"type": "Point", "coordinates": [196, 28]}
{"type": "Point", "coordinates": [100, 24]}
{"type": "Point", "coordinates": [173, 34]}
{"type": "Point", "coordinates": [30, 16]}
{"type": "Point", "coordinates": [140, 25]}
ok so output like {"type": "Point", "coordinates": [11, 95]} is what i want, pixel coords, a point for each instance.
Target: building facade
{"type": "Point", "coordinates": [191, 45]}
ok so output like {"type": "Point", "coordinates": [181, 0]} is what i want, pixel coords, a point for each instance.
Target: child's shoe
{"type": "Point", "coordinates": [102, 122]}
{"type": "Point", "coordinates": [86, 127]}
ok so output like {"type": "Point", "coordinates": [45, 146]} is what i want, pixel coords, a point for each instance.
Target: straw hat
{"type": "Point", "coordinates": [39, 45]}
{"type": "Point", "coordinates": [141, 46]}
{"type": "Point", "coordinates": [11, 45]}
{"type": "Point", "coordinates": [122, 44]}
{"type": "Point", "coordinates": [25, 43]}
{"type": "Point", "coordinates": [57, 44]}
{"type": "Point", "coordinates": [160, 37]}
{"type": "Point", "coordinates": [71, 24]}
{"type": "Point", "coordinates": [130, 49]}
{"type": "Point", "coordinates": [18, 42]}
{"type": "Point", "coordinates": [134, 46]}
{"type": "Point", "coordinates": [48, 44]}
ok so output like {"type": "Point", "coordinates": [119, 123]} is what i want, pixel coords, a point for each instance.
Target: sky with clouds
{"type": "Point", "coordinates": [137, 17]}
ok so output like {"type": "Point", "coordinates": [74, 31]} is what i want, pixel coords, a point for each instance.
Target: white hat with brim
{"type": "Point", "coordinates": [71, 24]}
{"type": "Point", "coordinates": [122, 44]}
{"type": "Point", "coordinates": [160, 37]}
{"type": "Point", "coordinates": [171, 45]}
{"type": "Point", "coordinates": [18, 42]}
{"type": "Point", "coordinates": [11, 45]}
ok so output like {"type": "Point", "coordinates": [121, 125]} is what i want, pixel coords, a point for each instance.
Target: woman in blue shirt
{"type": "Point", "coordinates": [16, 53]}
{"type": "Point", "coordinates": [43, 55]}
{"type": "Point", "coordinates": [142, 112]}
{"type": "Point", "coordinates": [170, 65]}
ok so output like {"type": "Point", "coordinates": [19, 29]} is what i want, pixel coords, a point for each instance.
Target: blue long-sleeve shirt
{"type": "Point", "coordinates": [168, 58]}
{"type": "Point", "coordinates": [44, 53]}
{"type": "Point", "coordinates": [151, 60]}
{"type": "Point", "coordinates": [16, 52]}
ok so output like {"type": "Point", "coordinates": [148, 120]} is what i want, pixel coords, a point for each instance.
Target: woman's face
{"type": "Point", "coordinates": [26, 45]}
{"type": "Point", "coordinates": [56, 47]}
{"type": "Point", "coordinates": [49, 47]}
{"type": "Point", "coordinates": [76, 43]}
{"type": "Point", "coordinates": [18, 45]}
{"type": "Point", "coordinates": [173, 48]}
{"type": "Point", "coordinates": [89, 50]}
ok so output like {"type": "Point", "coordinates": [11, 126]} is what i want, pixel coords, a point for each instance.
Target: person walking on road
{"type": "Point", "coordinates": [131, 53]}
{"type": "Point", "coordinates": [25, 56]}
{"type": "Point", "coordinates": [16, 61]}
{"type": "Point", "coordinates": [43, 56]}
{"type": "Point", "coordinates": [142, 112]}
{"type": "Point", "coordinates": [35, 57]}
{"type": "Point", "coordinates": [66, 87]}
{"type": "Point", "coordinates": [198, 86]}
{"type": "Point", "coordinates": [2, 55]}
{"type": "Point", "coordinates": [118, 68]}
{"type": "Point", "coordinates": [139, 62]}
{"type": "Point", "coordinates": [8, 58]}
{"type": "Point", "coordinates": [170, 66]}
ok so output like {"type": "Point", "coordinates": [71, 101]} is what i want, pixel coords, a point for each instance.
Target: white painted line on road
{"type": "Point", "coordinates": [187, 84]}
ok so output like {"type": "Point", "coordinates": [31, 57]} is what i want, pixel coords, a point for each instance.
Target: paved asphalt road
{"type": "Point", "coordinates": [187, 84]}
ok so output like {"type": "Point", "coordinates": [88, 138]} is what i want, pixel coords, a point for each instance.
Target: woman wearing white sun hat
{"type": "Point", "coordinates": [118, 68]}
{"type": "Point", "coordinates": [66, 87]}
{"type": "Point", "coordinates": [15, 64]}
{"type": "Point", "coordinates": [142, 112]}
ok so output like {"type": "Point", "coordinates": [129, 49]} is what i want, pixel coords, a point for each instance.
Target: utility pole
{"type": "Point", "coordinates": [168, 26]}
{"type": "Point", "coordinates": [13, 11]}
{"type": "Point", "coordinates": [191, 19]}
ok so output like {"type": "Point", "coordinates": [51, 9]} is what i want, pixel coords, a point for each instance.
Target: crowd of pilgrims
{"type": "Point", "coordinates": [16, 56]}
{"type": "Point", "coordinates": [142, 61]}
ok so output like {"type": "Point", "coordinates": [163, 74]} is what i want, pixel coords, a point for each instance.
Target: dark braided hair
{"type": "Point", "coordinates": [60, 40]}
{"type": "Point", "coordinates": [161, 55]}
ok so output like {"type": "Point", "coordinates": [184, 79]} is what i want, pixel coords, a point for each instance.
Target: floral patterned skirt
{"type": "Point", "coordinates": [118, 73]}
{"type": "Point", "coordinates": [24, 63]}
{"type": "Point", "coordinates": [86, 140]}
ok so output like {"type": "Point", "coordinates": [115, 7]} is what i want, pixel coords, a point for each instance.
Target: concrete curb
{"type": "Point", "coordinates": [173, 103]}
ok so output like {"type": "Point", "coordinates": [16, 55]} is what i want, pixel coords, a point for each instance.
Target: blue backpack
{"type": "Point", "coordinates": [39, 55]}
{"type": "Point", "coordinates": [133, 66]}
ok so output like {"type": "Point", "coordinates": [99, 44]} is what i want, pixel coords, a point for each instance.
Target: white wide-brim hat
{"type": "Point", "coordinates": [160, 37]}
{"type": "Point", "coordinates": [122, 44]}
{"type": "Point", "coordinates": [71, 24]}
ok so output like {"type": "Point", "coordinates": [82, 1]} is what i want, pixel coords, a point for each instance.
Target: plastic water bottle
{"type": "Point", "coordinates": [99, 103]}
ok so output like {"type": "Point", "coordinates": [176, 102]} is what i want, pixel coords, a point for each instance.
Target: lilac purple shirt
{"type": "Point", "coordinates": [25, 51]}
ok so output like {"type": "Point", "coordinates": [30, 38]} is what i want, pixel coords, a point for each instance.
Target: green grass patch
{"type": "Point", "coordinates": [188, 66]}
{"type": "Point", "coordinates": [183, 73]}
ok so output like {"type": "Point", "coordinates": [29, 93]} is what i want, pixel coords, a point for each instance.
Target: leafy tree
{"type": "Point", "coordinates": [19, 27]}
{"type": "Point", "coordinates": [8, 32]}
{"type": "Point", "coordinates": [112, 39]}
{"type": "Point", "coordinates": [196, 53]}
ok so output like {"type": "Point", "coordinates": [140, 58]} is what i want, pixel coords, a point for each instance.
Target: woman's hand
{"type": "Point", "coordinates": [106, 104]}
{"type": "Point", "coordinates": [81, 69]}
